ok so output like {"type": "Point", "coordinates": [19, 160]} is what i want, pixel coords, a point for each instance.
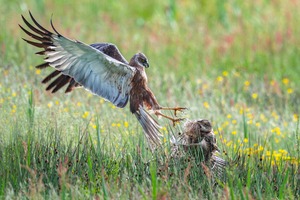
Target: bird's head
{"type": "Point", "coordinates": [141, 60]}
{"type": "Point", "coordinates": [204, 125]}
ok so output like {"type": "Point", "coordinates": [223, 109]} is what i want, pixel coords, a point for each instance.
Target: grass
{"type": "Point", "coordinates": [235, 63]}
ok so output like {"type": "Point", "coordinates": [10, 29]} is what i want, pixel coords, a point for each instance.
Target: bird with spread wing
{"type": "Point", "coordinates": [101, 69]}
{"type": "Point", "coordinates": [198, 140]}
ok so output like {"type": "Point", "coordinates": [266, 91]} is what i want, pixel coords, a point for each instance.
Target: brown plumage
{"type": "Point", "coordinates": [198, 140]}
{"type": "Point", "coordinates": [101, 69]}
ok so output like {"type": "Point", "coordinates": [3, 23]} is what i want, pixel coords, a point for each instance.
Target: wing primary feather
{"type": "Point", "coordinates": [41, 52]}
{"type": "Point", "coordinates": [38, 25]}
{"type": "Point", "coordinates": [55, 82]}
{"type": "Point", "coordinates": [51, 22]}
{"type": "Point", "coordinates": [32, 35]}
{"type": "Point", "coordinates": [40, 45]}
{"type": "Point", "coordinates": [50, 76]}
{"type": "Point", "coordinates": [32, 27]}
{"type": "Point", "coordinates": [70, 86]}
{"type": "Point", "coordinates": [62, 83]}
{"type": "Point", "coordinates": [42, 66]}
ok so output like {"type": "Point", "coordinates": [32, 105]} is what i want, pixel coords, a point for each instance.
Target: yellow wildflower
{"type": "Point", "coordinates": [229, 143]}
{"type": "Point", "coordinates": [295, 117]}
{"type": "Point", "coordinates": [276, 130]}
{"type": "Point", "coordinates": [285, 81]}
{"type": "Point", "coordinates": [164, 128]}
{"type": "Point", "coordinates": [14, 109]}
{"type": "Point", "coordinates": [247, 83]}
{"type": "Point", "coordinates": [85, 114]}
{"type": "Point", "coordinates": [250, 116]}
{"type": "Point", "coordinates": [272, 162]}
{"type": "Point", "coordinates": [290, 91]}
{"type": "Point", "coordinates": [254, 96]}
{"type": "Point", "coordinates": [38, 71]}
{"type": "Point", "coordinates": [283, 152]}
{"type": "Point", "coordinates": [257, 124]}
{"type": "Point", "coordinates": [226, 123]}
{"type": "Point", "coordinates": [225, 73]}
{"type": "Point", "coordinates": [219, 78]}
{"type": "Point", "coordinates": [205, 104]}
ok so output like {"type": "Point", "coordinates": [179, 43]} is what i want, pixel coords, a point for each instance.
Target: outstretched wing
{"type": "Point", "coordinates": [61, 80]}
{"type": "Point", "coordinates": [95, 71]}
{"type": "Point", "coordinates": [110, 50]}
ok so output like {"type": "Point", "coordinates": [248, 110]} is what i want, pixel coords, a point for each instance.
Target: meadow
{"type": "Point", "coordinates": [235, 63]}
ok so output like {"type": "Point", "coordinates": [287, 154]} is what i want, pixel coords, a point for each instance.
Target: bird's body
{"type": "Point", "coordinates": [198, 140]}
{"type": "Point", "coordinates": [101, 69]}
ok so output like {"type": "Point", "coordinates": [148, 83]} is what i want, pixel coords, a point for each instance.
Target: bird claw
{"type": "Point", "coordinates": [175, 121]}
{"type": "Point", "coordinates": [180, 109]}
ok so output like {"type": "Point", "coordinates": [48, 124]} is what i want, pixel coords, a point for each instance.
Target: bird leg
{"type": "Point", "coordinates": [180, 109]}
{"type": "Point", "coordinates": [174, 120]}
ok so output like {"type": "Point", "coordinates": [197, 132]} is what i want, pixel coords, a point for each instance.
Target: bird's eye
{"type": "Point", "coordinates": [142, 60]}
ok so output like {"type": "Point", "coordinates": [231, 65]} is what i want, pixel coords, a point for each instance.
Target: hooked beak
{"type": "Point", "coordinates": [146, 64]}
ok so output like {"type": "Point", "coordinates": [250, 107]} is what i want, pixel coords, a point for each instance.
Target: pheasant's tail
{"type": "Point", "coordinates": [218, 167]}
{"type": "Point", "coordinates": [150, 126]}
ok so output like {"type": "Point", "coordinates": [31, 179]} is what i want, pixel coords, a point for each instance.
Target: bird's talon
{"type": "Point", "coordinates": [175, 121]}
{"type": "Point", "coordinates": [180, 109]}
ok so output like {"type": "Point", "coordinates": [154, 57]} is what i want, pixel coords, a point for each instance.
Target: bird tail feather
{"type": "Point", "coordinates": [218, 167]}
{"type": "Point", "coordinates": [150, 126]}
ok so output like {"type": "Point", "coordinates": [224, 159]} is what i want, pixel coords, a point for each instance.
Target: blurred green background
{"type": "Point", "coordinates": [233, 62]}
{"type": "Point", "coordinates": [190, 38]}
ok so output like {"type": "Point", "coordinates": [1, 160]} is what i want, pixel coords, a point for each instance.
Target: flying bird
{"type": "Point", "coordinates": [101, 69]}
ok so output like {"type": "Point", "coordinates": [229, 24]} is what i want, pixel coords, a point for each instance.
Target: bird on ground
{"type": "Point", "coordinates": [101, 69]}
{"type": "Point", "coordinates": [198, 140]}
